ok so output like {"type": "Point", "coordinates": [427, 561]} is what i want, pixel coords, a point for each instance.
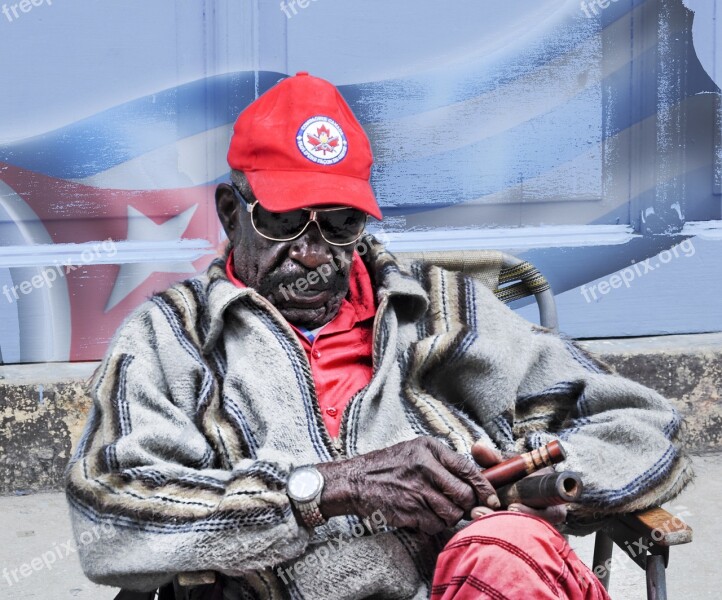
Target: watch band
{"type": "Point", "coordinates": [304, 500]}
{"type": "Point", "coordinates": [311, 513]}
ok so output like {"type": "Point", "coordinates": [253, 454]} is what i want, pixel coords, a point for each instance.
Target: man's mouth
{"type": "Point", "coordinates": [302, 290]}
{"type": "Point", "coordinates": [306, 298]}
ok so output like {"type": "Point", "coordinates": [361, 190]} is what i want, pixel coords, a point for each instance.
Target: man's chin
{"type": "Point", "coordinates": [309, 309]}
{"type": "Point", "coordinates": [308, 317]}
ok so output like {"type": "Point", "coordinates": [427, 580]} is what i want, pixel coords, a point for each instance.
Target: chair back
{"type": "Point", "coordinates": [507, 276]}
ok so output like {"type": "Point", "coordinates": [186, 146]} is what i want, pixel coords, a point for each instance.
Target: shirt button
{"type": "Point", "coordinates": [316, 354]}
{"type": "Point", "coordinates": [332, 412]}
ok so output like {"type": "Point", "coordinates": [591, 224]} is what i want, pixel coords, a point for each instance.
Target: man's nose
{"type": "Point", "coordinates": [311, 250]}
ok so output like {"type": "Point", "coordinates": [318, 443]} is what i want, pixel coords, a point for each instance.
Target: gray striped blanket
{"type": "Point", "coordinates": [205, 402]}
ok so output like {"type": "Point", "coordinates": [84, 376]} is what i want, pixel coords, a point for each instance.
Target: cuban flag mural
{"type": "Point", "coordinates": [583, 136]}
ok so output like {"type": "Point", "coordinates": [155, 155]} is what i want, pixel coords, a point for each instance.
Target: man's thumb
{"type": "Point", "coordinates": [484, 455]}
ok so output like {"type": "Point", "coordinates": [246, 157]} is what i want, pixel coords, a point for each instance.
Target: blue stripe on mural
{"type": "Point", "coordinates": [124, 132]}
{"type": "Point", "coordinates": [493, 164]}
{"type": "Point", "coordinates": [398, 98]}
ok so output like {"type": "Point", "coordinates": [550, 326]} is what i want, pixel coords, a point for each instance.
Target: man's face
{"type": "Point", "coordinates": [275, 269]}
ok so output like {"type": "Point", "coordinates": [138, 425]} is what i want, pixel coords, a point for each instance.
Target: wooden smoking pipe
{"type": "Point", "coordinates": [518, 467]}
{"type": "Point", "coordinates": [543, 491]}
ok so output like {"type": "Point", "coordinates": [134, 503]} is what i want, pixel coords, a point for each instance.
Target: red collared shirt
{"type": "Point", "coordinates": [341, 353]}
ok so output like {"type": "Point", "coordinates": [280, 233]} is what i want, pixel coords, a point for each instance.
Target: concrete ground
{"type": "Point", "coordinates": [38, 524]}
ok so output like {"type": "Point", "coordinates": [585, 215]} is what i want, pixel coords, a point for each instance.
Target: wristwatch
{"type": "Point", "coordinates": [304, 488]}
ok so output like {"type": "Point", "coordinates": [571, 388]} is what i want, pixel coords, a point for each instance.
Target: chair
{"type": "Point", "coordinates": [644, 536]}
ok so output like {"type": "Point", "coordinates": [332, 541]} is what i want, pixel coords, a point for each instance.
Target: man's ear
{"type": "Point", "coordinates": [227, 207]}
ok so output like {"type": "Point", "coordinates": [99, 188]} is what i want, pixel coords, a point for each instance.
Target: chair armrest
{"type": "Point", "coordinates": [641, 535]}
{"type": "Point", "coordinates": [660, 526]}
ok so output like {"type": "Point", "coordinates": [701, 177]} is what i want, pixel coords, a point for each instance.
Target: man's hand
{"type": "Point", "coordinates": [485, 457]}
{"type": "Point", "coordinates": [420, 484]}
{"type": "Point", "coordinates": [554, 515]}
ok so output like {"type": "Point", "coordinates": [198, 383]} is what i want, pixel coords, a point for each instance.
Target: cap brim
{"type": "Point", "coordinates": [281, 191]}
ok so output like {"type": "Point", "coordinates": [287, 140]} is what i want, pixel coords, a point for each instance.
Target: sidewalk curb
{"type": "Point", "coordinates": [687, 369]}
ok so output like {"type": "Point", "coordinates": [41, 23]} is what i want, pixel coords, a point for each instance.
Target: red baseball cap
{"type": "Point", "coordinates": [300, 145]}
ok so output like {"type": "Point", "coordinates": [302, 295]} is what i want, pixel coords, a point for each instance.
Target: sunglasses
{"type": "Point", "coordinates": [338, 226]}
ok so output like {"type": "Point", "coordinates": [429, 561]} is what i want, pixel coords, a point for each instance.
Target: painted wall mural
{"type": "Point", "coordinates": [585, 137]}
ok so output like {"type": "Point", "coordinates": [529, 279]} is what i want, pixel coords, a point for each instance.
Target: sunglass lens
{"type": "Point", "coordinates": [342, 226]}
{"type": "Point", "coordinates": [279, 226]}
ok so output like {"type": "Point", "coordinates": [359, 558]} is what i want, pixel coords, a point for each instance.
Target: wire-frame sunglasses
{"type": "Point", "coordinates": [338, 226]}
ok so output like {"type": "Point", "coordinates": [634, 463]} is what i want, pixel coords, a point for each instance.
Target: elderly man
{"type": "Point", "coordinates": [309, 419]}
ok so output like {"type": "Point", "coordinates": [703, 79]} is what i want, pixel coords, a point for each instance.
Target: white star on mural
{"type": "Point", "coordinates": [143, 229]}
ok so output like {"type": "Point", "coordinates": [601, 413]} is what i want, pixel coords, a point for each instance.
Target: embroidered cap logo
{"type": "Point", "coordinates": [322, 141]}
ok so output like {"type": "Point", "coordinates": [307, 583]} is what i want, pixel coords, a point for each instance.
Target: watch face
{"type": "Point", "coordinates": [304, 484]}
